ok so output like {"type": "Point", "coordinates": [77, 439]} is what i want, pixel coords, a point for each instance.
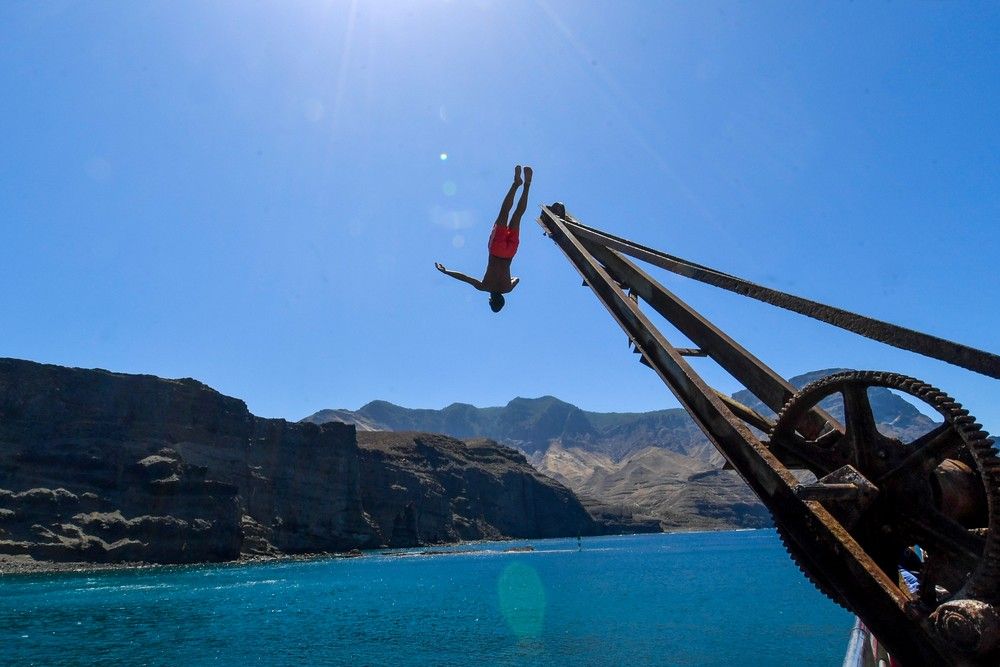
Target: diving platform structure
{"type": "Point", "coordinates": [874, 497]}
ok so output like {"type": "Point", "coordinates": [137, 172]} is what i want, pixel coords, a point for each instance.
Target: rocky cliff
{"type": "Point", "coordinates": [108, 467]}
{"type": "Point", "coordinates": [422, 488]}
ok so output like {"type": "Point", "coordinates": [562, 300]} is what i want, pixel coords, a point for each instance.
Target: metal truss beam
{"type": "Point", "coordinates": [820, 541]}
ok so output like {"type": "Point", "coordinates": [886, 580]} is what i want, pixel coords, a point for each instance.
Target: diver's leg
{"type": "Point", "coordinates": [508, 201]}
{"type": "Point", "coordinates": [522, 203]}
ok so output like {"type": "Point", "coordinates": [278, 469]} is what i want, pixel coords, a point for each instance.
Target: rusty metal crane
{"type": "Point", "coordinates": [874, 496]}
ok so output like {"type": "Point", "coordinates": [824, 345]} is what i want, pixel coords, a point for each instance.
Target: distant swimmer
{"type": "Point", "coordinates": [502, 246]}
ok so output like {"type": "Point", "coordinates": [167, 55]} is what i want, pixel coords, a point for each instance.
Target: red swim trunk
{"type": "Point", "coordinates": [503, 242]}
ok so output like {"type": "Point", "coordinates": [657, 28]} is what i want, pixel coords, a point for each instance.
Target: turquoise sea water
{"type": "Point", "coordinates": [681, 599]}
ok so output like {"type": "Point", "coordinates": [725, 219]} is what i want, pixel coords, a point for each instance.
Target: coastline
{"type": "Point", "coordinates": [19, 565]}
{"type": "Point", "coordinates": [12, 565]}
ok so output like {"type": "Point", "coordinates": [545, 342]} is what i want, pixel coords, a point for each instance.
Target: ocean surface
{"type": "Point", "coordinates": [731, 598]}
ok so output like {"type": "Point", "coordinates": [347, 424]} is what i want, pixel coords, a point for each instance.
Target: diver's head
{"type": "Point", "coordinates": [496, 301]}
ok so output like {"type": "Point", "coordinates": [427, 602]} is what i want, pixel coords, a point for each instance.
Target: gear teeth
{"type": "Point", "coordinates": [823, 587]}
{"type": "Point", "coordinates": [984, 581]}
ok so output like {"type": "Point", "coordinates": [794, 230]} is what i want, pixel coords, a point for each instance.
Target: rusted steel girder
{"type": "Point", "coordinates": [822, 544]}
{"type": "Point", "coordinates": [772, 389]}
{"type": "Point", "coordinates": [979, 361]}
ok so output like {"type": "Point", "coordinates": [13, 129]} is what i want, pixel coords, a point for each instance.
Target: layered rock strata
{"type": "Point", "coordinates": [101, 466]}
{"type": "Point", "coordinates": [107, 467]}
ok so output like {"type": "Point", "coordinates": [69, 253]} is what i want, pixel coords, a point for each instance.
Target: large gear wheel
{"type": "Point", "coordinates": [940, 493]}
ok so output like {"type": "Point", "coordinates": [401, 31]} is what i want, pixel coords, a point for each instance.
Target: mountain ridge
{"type": "Point", "coordinates": [528, 424]}
{"type": "Point", "coordinates": [630, 464]}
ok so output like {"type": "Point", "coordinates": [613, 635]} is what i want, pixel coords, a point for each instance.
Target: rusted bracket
{"type": "Point", "coordinates": [747, 414]}
{"type": "Point", "coordinates": [813, 533]}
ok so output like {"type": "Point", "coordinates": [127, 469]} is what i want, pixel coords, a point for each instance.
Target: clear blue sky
{"type": "Point", "coordinates": [253, 194]}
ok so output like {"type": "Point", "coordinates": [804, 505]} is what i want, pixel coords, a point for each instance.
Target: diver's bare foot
{"type": "Point", "coordinates": [517, 175]}
{"type": "Point", "coordinates": [527, 175]}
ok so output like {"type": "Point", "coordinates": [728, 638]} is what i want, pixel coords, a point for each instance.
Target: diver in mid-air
{"type": "Point", "coordinates": [502, 246]}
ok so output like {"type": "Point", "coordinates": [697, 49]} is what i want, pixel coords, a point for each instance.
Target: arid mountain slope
{"type": "Point", "coordinates": [655, 464]}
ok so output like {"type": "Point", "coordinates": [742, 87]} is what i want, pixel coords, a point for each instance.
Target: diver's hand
{"type": "Point", "coordinates": [440, 267]}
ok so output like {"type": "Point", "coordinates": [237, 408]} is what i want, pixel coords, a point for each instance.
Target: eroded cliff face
{"type": "Point", "coordinates": [422, 488]}
{"type": "Point", "coordinates": [157, 509]}
{"type": "Point", "coordinates": [106, 467]}
{"type": "Point", "coordinates": [100, 466]}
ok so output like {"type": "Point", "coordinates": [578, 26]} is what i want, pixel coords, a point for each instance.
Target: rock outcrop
{"type": "Point", "coordinates": [422, 488]}
{"type": "Point", "coordinates": [173, 514]}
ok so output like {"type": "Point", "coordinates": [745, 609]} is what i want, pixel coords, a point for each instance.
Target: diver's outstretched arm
{"type": "Point", "coordinates": [460, 276]}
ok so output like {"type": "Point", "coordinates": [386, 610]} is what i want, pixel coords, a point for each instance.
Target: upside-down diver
{"type": "Point", "coordinates": [502, 246]}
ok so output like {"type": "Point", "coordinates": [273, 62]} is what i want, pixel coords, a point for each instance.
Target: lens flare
{"type": "Point", "coordinates": [522, 600]}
